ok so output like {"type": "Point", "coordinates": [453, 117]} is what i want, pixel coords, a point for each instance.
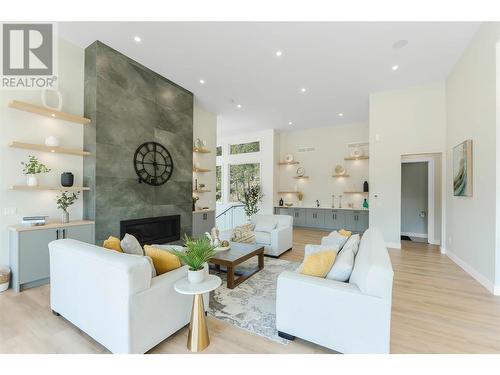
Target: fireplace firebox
{"type": "Point", "coordinates": [153, 230]}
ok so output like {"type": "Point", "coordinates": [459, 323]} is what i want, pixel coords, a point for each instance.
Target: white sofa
{"type": "Point", "coordinates": [275, 241]}
{"type": "Point", "coordinates": [112, 297]}
{"type": "Point", "coordinates": [352, 317]}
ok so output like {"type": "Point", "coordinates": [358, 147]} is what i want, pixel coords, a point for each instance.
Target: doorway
{"type": "Point", "coordinates": [415, 201]}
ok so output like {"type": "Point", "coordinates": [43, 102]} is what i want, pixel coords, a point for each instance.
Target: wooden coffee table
{"type": "Point", "coordinates": [237, 254]}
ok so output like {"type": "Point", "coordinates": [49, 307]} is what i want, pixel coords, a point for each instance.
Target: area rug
{"type": "Point", "coordinates": [252, 304]}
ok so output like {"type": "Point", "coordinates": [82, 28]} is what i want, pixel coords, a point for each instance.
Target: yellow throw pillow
{"type": "Point", "coordinates": [163, 260]}
{"type": "Point", "coordinates": [345, 233]}
{"type": "Point", "coordinates": [319, 264]}
{"type": "Point", "coordinates": [112, 243]}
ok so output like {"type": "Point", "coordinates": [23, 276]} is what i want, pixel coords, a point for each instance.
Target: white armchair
{"type": "Point", "coordinates": [112, 297]}
{"type": "Point", "coordinates": [352, 317]}
{"type": "Point", "coordinates": [276, 238]}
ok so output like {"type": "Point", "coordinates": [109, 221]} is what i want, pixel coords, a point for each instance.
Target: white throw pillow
{"type": "Point", "coordinates": [342, 268]}
{"type": "Point", "coordinates": [344, 263]}
{"type": "Point", "coordinates": [130, 245]}
{"type": "Point", "coordinates": [335, 239]}
{"type": "Point", "coordinates": [265, 224]}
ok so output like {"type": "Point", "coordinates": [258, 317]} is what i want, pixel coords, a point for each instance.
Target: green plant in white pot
{"type": "Point", "coordinates": [63, 202]}
{"type": "Point", "coordinates": [33, 167]}
{"type": "Point", "coordinates": [196, 255]}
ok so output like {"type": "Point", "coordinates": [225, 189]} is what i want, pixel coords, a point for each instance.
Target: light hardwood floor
{"type": "Point", "coordinates": [437, 308]}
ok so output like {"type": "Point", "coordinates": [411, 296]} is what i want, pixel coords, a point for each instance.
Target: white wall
{"type": "Point", "coordinates": [330, 144]}
{"type": "Point", "coordinates": [409, 121]}
{"type": "Point", "coordinates": [471, 222]}
{"type": "Point", "coordinates": [32, 128]}
{"type": "Point", "coordinates": [205, 128]}
{"type": "Point", "coordinates": [266, 158]}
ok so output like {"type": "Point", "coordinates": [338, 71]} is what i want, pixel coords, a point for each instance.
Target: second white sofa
{"type": "Point", "coordinates": [348, 317]}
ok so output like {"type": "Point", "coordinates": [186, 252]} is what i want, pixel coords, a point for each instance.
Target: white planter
{"type": "Point", "coordinates": [32, 180]}
{"type": "Point", "coordinates": [196, 277]}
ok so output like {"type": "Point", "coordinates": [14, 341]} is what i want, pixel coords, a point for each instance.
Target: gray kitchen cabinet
{"type": "Point", "coordinates": [29, 251]}
{"type": "Point", "coordinates": [315, 218]}
{"type": "Point", "coordinates": [299, 216]}
{"type": "Point", "coordinates": [284, 211]}
{"type": "Point", "coordinates": [356, 221]}
{"type": "Point", "coordinates": [203, 221]}
{"type": "Point", "coordinates": [334, 219]}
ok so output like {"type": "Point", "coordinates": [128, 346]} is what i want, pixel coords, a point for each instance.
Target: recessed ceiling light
{"type": "Point", "coordinates": [279, 53]}
{"type": "Point", "coordinates": [400, 44]}
{"type": "Point", "coordinates": [341, 114]}
{"type": "Point", "coordinates": [202, 81]}
{"type": "Point", "coordinates": [290, 123]}
{"type": "Point", "coordinates": [238, 105]}
{"type": "Point", "coordinates": [303, 89]}
{"type": "Point", "coordinates": [137, 39]}
{"type": "Point", "coordinates": [395, 67]}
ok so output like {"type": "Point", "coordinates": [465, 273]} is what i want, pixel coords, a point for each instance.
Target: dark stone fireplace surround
{"type": "Point", "coordinates": [129, 104]}
{"type": "Point", "coordinates": [153, 230]}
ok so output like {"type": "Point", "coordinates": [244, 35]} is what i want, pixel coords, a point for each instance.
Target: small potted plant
{"type": "Point", "coordinates": [197, 253]}
{"type": "Point", "coordinates": [63, 202]}
{"type": "Point", "coordinates": [32, 168]}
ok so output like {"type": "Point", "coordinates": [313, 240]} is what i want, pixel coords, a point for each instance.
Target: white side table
{"type": "Point", "coordinates": [198, 332]}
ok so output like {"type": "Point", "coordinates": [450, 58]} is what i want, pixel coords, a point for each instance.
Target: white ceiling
{"type": "Point", "coordinates": [338, 63]}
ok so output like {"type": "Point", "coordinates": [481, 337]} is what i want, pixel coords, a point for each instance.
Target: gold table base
{"type": "Point", "coordinates": [198, 338]}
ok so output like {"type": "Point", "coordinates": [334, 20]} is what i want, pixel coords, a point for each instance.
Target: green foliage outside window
{"type": "Point", "coordinates": [244, 148]}
{"type": "Point", "coordinates": [241, 178]}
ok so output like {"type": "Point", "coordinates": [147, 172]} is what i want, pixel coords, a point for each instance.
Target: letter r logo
{"type": "Point", "coordinates": [27, 49]}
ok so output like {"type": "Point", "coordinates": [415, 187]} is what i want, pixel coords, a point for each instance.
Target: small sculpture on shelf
{"type": "Point", "coordinates": [195, 199]}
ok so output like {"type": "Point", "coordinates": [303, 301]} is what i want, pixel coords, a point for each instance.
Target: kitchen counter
{"type": "Point", "coordinates": [326, 208]}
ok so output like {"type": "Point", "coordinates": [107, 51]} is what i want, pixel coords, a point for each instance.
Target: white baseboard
{"type": "Point", "coordinates": [442, 250]}
{"type": "Point", "coordinates": [435, 242]}
{"type": "Point", "coordinates": [393, 245]}
{"type": "Point", "coordinates": [411, 234]}
{"type": "Point", "coordinates": [491, 287]}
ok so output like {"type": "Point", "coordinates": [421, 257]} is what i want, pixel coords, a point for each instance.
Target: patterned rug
{"type": "Point", "coordinates": [252, 304]}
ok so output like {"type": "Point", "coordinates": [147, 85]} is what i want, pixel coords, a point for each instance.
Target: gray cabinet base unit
{"type": "Point", "coordinates": [203, 221]}
{"type": "Point", "coordinates": [29, 250]}
{"type": "Point", "coordinates": [326, 218]}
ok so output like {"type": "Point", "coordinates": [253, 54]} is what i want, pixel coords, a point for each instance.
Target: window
{"type": "Point", "coordinates": [218, 151]}
{"type": "Point", "coordinates": [244, 148]}
{"type": "Point", "coordinates": [241, 176]}
{"type": "Point", "coordinates": [218, 183]}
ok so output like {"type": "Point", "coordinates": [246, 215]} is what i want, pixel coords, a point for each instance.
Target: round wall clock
{"type": "Point", "coordinates": [153, 163]}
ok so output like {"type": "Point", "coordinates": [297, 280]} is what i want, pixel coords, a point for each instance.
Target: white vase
{"type": "Point", "coordinates": [196, 277]}
{"type": "Point", "coordinates": [58, 96]}
{"type": "Point", "coordinates": [32, 180]}
{"type": "Point", "coordinates": [65, 217]}
{"type": "Point", "coordinates": [51, 141]}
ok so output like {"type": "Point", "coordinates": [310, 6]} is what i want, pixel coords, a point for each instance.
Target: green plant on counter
{"type": "Point", "coordinates": [65, 200]}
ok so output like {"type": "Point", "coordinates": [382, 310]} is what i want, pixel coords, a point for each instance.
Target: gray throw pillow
{"type": "Point", "coordinates": [130, 245]}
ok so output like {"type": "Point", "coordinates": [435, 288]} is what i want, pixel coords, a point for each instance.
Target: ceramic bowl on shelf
{"type": "Point", "coordinates": [288, 158]}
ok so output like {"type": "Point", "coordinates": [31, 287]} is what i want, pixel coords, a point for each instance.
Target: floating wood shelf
{"type": "Point", "coordinates": [357, 158]}
{"type": "Point", "coordinates": [356, 192]}
{"type": "Point", "coordinates": [57, 150]}
{"type": "Point", "coordinates": [340, 175]}
{"type": "Point", "coordinates": [201, 150]}
{"type": "Point", "coordinates": [300, 177]}
{"type": "Point", "coordinates": [289, 192]}
{"type": "Point", "coordinates": [27, 107]}
{"type": "Point", "coordinates": [201, 191]}
{"type": "Point", "coordinates": [288, 163]}
{"type": "Point", "coordinates": [201, 170]}
{"type": "Point", "coordinates": [54, 188]}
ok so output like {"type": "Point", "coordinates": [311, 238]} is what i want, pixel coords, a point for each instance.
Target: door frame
{"type": "Point", "coordinates": [430, 192]}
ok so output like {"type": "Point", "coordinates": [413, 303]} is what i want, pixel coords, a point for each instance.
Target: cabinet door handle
{"type": "Point", "coordinates": [64, 233]}
{"type": "Point", "coordinates": [57, 234]}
